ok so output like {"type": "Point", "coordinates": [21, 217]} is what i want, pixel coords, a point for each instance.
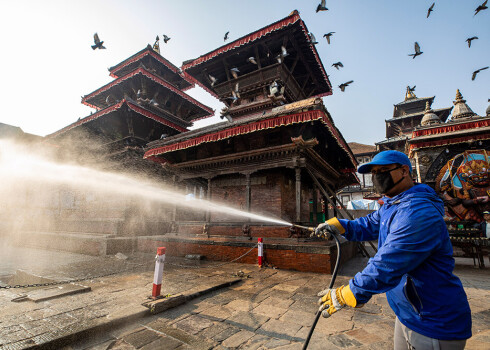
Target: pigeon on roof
{"type": "Point", "coordinates": [251, 59]}
{"type": "Point", "coordinates": [431, 8]}
{"type": "Point", "coordinates": [312, 39]}
{"type": "Point", "coordinates": [226, 36]}
{"type": "Point", "coordinates": [327, 36]}
{"type": "Point", "coordinates": [98, 43]}
{"type": "Point", "coordinates": [417, 50]}
{"type": "Point", "coordinates": [212, 79]}
{"type": "Point", "coordinates": [234, 71]}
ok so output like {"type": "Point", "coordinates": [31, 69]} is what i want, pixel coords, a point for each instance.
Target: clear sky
{"type": "Point", "coordinates": [48, 63]}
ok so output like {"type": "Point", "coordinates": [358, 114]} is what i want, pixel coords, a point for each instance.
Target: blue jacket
{"type": "Point", "coordinates": [414, 264]}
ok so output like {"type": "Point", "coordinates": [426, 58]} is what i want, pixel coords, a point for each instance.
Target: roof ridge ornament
{"type": "Point", "coordinates": [429, 117]}
{"type": "Point", "coordinates": [410, 95]}
{"type": "Point", "coordinates": [461, 109]}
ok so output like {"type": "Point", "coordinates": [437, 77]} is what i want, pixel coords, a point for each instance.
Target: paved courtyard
{"type": "Point", "coordinates": [269, 309]}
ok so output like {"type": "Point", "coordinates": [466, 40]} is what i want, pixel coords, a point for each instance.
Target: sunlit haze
{"type": "Point", "coordinates": [48, 63]}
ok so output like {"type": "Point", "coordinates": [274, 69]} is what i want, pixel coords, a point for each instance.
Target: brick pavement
{"type": "Point", "coordinates": [273, 309]}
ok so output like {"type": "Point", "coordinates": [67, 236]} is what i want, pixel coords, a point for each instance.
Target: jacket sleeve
{"type": "Point", "coordinates": [413, 234]}
{"type": "Point", "coordinates": [362, 229]}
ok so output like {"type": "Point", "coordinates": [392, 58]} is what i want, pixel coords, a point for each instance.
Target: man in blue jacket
{"type": "Point", "coordinates": [414, 263]}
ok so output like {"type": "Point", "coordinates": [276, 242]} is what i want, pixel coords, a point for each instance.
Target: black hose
{"type": "Point", "coordinates": [334, 275]}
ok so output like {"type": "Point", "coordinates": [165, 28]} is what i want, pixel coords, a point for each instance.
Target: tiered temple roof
{"type": "Point", "coordinates": [145, 102]}
{"type": "Point", "coordinates": [281, 52]}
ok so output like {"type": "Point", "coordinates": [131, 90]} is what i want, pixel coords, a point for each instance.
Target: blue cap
{"type": "Point", "coordinates": [386, 158]}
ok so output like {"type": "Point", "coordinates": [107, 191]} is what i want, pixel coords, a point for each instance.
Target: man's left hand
{"type": "Point", "coordinates": [332, 300]}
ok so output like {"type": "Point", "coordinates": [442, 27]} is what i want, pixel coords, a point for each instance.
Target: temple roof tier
{"type": "Point", "coordinates": [110, 123]}
{"type": "Point", "coordinates": [442, 113]}
{"type": "Point", "coordinates": [280, 52]}
{"type": "Point", "coordinates": [301, 113]}
{"type": "Point", "coordinates": [149, 86]}
{"type": "Point", "coordinates": [155, 62]}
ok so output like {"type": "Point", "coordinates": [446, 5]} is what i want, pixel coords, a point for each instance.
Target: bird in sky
{"type": "Point", "coordinates": [477, 71]}
{"type": "Point", "coordinates": [411, 89]}
{"type": "Point", "coordinates": [312, 39]}
{"type": "Point", "coordinates": [165, 38]}
{"type": "Point", "coordinates": [337, 65]}
{"type": "Point", "coordinates": [251, 59]}
{"type": "Point", "coordinates": [226, 36]}
{"type": "Point", "coordinates": [327, 36]}
{"type": "Point", "coordinates": [212, 79]}
{"type": "Point", "coordinates": [98, 43]}
{"type": "Point", "coordinates": [234, 71]}
{"type": "Point", "coordinates": [344, 85]}
{"type": "Point", "coordinates": [470, 39]}
{"type": "Point", "coordinates": [321, 6]}
{"type": "Point", "coordinates": [481, 8]}
{"type": "Point", "coordinates": [417, 50]}
{"type": "Point", "coordinates": [431, 8]}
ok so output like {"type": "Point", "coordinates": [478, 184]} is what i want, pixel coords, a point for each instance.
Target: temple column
{"type": "Point", "coordinates": [208, 197]}
{"type": "Point", "coordinates": [314, 206]}
{"type": "Point", "coordinates": [298, 193]}
{"type": "Point", "coordinates": [247, 192]}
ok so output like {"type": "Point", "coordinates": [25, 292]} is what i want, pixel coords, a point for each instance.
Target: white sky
{"type": "Point", "coordinates": [48, 63]}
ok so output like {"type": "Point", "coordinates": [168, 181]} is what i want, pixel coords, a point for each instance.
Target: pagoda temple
{"type": "Point", "coordinates": [145, 102]}
{"type": "Point", "coordinates": [406, 116]}
{"type": "Point", "coordinates": [278, 152]}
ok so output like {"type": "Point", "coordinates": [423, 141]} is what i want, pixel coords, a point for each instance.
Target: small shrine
{"type": "Point", "coordinates": [406, 116]}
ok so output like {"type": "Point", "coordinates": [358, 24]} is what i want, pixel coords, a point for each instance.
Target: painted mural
{"type": "Point", "coordinates": [464, 185]}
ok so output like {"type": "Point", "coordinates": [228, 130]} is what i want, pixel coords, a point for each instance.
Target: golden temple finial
{"type": "Point", "coordinates": [156, 45]}
{"type": "Point", "coordinates": [409, 95]}
{"type": "Point", "coordinates": [427, 107]}
{"type": "Point", "coordinates": [459, 97]}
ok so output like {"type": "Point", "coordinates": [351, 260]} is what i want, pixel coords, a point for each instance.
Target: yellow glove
{"type": "Point", "coordinates": [330, 226]}
{"type": "Point", "coordinates": [335, 299]}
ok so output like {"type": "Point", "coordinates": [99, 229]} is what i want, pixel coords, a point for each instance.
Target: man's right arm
{"type": "Point", "coordinates": [362, 229]}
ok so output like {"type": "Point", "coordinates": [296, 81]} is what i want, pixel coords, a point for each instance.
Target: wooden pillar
{"type": "Point", "coordinates": [298, 194]}
{"type": "Point", "coordinates": [208, 197]}
{"type": "Point", "coordinates": [174, 209]}
{"type": "Point", "coordinates": [315, 206]}
{"type": "Point", "coordinates": [247, 192]}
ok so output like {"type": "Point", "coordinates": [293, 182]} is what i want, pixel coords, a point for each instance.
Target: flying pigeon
{"type": "Point", "coordinates": [212, 79]}
{"type": "Point", "coordinates": [234, 71]}
{"type": "Point", "coordinates": [226, 36]}
{"type": "Point", "coordinates": [283, 54]}
{"type": "Point", "coordinates": [312, 39]}
{"type": "Point", "coordinates": [321, 6]}
{"type": "Point", "coordinates": [477, 71]}
{"type": "Point", "coordinates": [233, 97]}
{"type": "Point", "coordinates": [98, 43]}
{"type": "Point", "coordinates": [165, 38]}
{"type": "Point", "coordinates": [431, 8]}
{"type": "Point", "coordinates": [251, 59]}
{"type": "Point", "coordinates": [328, 35]}
{"type": "Point", "coordinates": [411, 89]}
{"type": "Point", "coordinates": [417, 50]}
{"type": "Point", "coordinates": [481, 8]}
{"type": "Point", "coordinates": [337, 65]}
{"type": "Point", "coordinates": [470, 39]}
{"type": "Point", "coordinates": [344, 85]}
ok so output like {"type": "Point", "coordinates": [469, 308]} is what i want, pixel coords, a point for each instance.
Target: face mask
{"type": "Point", "coordinates": [383, 182]}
